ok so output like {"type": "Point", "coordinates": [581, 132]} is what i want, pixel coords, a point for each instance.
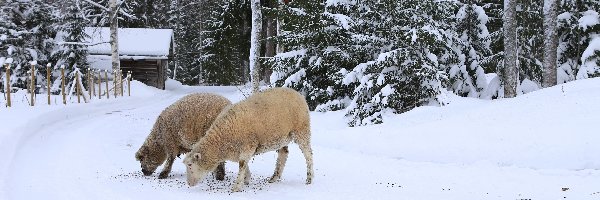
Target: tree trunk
{"type": "Point", "coordinates": [255, 44]}
{"type": "Point", "coordinates": [114, 36]}
{"type": "Point", "coordinates": [550, 42]}
{"type": "Point", "coordinates": [270, 46]}
{"type": "Point", "coordinates": [510, 74]}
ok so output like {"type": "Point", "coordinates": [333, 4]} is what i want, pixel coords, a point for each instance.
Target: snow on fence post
{"type": "Point", "coordinates": [99, 85]}
{"type": "Point", "coordinates": [48, 70]}
{"type": "Point", "coordinates": [129, 83]}
{"type": "Point", "coordinates": [32, 85]}
{"type": "Point", "coordinates": [62, 87]}
{"type": "Point", "coordinates": [107, 90]}
{"type": "Point", "coordinates": [77, 88]}
{"type": "Point", "coordinates": [8, 85]}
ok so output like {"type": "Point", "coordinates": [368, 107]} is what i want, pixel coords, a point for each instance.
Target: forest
{"type": "Point", "coordinates": [365, 57]}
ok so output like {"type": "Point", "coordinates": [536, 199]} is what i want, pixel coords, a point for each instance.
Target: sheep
{"type": "Point", "coordinates": [265, 121]}
{"type": "Point", "coordinates": [177, 129]}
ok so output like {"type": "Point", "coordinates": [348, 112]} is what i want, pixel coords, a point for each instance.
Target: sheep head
{"type": "Point", "coordinates": [149, 159]}
{"type": "Point", "coordinates": [197, 167]}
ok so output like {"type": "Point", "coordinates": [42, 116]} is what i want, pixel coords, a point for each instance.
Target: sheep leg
{"type": "Point", "coordinates": [167, 168]}
{"type": "Point", "coordinates": [220, 172]}
{"type": "Point", "coordinates": [248, 175]}
{"type": "Point", "coordinates": [241, 176]}
{"type": "Point", "coordinates": [307, 151]}
{"type": "Point", "coordinates": [281, 159]}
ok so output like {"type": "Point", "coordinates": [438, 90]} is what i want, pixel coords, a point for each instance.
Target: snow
{"type": "Point", "coordinates": [132, 41]}
{"type": "Point", "coordinates": [589, 19]}
{"type": "Point", "coordinates": [331, 3]}
{"type": "Point", "coordinates": [528, 147]}
{"type": "Point", "coordinates": [589, 60]}
{"type": "Point", "coordinates": [527, 86]}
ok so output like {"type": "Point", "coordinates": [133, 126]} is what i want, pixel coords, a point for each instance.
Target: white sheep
{"type": "Point", "coordinates": [177, 129]}
{"type": "Point", "coordinates": [266, 121]}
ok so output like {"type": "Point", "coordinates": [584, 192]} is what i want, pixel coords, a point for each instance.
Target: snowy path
{"type": "Point", "coordinates": [87, 152]}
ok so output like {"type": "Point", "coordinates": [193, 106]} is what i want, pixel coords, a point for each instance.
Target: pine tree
{"type": "Point", "coordinates": [26, 35]}
{"type": "Point", "coordinates": [224, 43]}
{"type": "Point", "coordinates": [575, 39]}
{"type": "Point", "coordinates": [320, 50]}
{"type": "Point", "coordinates": [71, 50]}
{"type": "Point", "coordinates": [408, 72]}
{"type": "Point", "coordinates": [530, 43]}
{"type": "Point", "coordinates": [467, 78]}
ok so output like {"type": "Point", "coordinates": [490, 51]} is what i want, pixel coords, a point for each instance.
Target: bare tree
{"type": "Point", "coordinates": [550, 42]}
{"type": "Point", "coordinates": [510, 75]}
{"type": "Point", "coordinates": [255, 43]}
{"type": "Point", "coordinates": [114, 34]}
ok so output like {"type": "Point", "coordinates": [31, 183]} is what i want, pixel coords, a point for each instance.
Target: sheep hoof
{"type": "Point", "coordinates": [273, 180]}
{"type": "Point", "coordinates": [308, 181]}
{"type": "Point", "coordinates": [163, 175]}
{"type": "Point", "coordinates": [236, 189]}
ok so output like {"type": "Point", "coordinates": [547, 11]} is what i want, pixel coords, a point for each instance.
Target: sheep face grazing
{"type": "Point", "coordinates": [149, 163]}
{"type": "Point", "coordinates": [196, 172]}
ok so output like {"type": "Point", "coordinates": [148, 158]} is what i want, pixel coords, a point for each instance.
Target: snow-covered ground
{"type": "Point", "coordinates": [542, 145]}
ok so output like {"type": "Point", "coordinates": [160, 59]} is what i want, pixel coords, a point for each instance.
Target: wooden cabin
{"type": "Point", "coordinates": [144, 52]}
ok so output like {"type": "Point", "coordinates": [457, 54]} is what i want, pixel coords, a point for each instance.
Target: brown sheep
{"type": "Point", "coordinates": [266, 121]}
{"type": "Point", "coordinates": [177, 129]}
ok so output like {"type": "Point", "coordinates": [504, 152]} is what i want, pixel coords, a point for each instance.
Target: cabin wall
{"type": "Point", "coordinates": [149, 72]}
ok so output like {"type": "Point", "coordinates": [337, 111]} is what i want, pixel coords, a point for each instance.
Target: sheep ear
{"type": "Point", "coordinates": [138, 157]}
{"type": "Point", "coordinates": [197, 156]}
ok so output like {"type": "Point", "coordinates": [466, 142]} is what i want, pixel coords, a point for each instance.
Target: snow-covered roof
{"type": "Point", "coordinates": [132, 41]}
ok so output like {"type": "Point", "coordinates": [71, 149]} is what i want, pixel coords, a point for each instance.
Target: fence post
{"type": "Point", "coordinates": [129, 83]}
{"type": "Point", "coordinates": [48, 70]}
{"type": "Point", "coordinates": [92, 83]}
{"type": "Point", "coordinates": [77, 88]}
{"type": "Point", "coordinates": [121, 81]}
{"type": "Point", "coordinates": [32, 85]}
{"type": "Point", "coordinates": [89, 79]}
{"type": "Point", "coordinates": [62, 87]}
{"type": "Point", "coordinates": [107, 90]}
{"type": "Point", "coordinates": [8, 85]}
{"type": "Point", "coordinates": [115, 83]}
{"type": "Point", "coordinates": [99, 85]}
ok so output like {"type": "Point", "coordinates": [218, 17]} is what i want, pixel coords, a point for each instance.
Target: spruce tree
{"type": "Point", "coordinates": [224, 43]}
{"type": "Point", "coordinates": [408, 71]}
{"type": "Point", "coordinates": [319, 50]}
{"type": "Point", "coordinates": [71, 50]}
{"type": "Point", "coordinates": [26, 35]}
{"type": "Point", "coordinates": [530, 42]}
{"type": "Point", "coordinates": [467, 78]}
{"type": "Point", "coordinates": [575, 38]}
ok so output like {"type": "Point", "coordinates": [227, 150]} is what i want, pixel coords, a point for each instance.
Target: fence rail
{"type": "Point", "coordinates": [80, 91]}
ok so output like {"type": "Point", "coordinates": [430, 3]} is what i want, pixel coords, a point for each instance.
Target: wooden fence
{"type": "Point", "coordinates": [92, 77]}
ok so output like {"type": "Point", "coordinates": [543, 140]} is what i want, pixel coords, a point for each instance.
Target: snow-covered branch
{"type": "Point", "coordinates": [106, 9]}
